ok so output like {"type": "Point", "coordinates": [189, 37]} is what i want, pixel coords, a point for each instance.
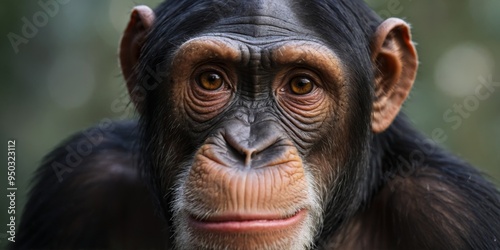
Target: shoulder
{"type": "Point", "coordinates": [86, 190]}
{"type": "Point", "coordinates": [108, 146]}
{"type": "Point", "coordinates": [445, 204]}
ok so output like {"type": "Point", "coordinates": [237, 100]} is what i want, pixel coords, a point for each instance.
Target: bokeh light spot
{"type": "Point", "coordinates": [458, 70]}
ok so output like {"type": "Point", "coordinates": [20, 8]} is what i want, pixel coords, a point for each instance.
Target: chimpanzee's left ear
{"type": "Point", "coordinates": [395, 62]}
{"type": "Point", "coordinates": [141, 20]}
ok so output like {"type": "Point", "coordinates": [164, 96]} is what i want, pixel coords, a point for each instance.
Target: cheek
{"type": "Point", "coordinates": [310, 111]}
{"type": "Point", "coordinates": [196, 106]}
{"type": "Point", "coordinates": [306, 120]}
{"type": "Point", "coordinates": [200, 107]}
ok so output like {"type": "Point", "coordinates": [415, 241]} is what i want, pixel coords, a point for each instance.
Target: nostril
{"type": "Point", "coordinates": [254, 153]}
{"type": "Point", "coordinates": [250, 154]}
{"type": "Point", "coordinates": [240, 149]}
{"type": "Point", "coordinates": [235, 152]}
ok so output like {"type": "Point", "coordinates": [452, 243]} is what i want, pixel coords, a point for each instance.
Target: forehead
{"type": "Point", "coordinates": [259, 22]}
{"type": "Point", "coordinates": [226, 46]}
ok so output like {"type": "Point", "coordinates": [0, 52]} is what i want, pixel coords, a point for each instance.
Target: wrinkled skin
{"type": "Point", "coordinates": [258, 101]}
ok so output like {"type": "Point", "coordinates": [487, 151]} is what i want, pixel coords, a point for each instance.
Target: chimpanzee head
{"type": "Point", "coordinates": [257, 133]}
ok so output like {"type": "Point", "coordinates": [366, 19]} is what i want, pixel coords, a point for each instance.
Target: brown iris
{"type": "Point", "coordinates": [301, 85]}
{"type": "Point", "coordinates": [210, 80]}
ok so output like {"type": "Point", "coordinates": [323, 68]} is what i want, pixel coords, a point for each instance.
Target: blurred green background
{"type": "Point", "coordinates": [66, 77]}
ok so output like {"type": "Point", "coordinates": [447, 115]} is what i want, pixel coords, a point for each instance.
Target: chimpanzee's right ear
{"type": "Point", "coordinates": [140, 23]}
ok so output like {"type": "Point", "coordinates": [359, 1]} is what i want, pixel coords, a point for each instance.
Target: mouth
{"type": "Point", "coordinates": [238, 223]}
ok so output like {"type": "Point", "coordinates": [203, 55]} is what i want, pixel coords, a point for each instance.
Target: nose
{"type": "Point", "coordinates": [252, 144]}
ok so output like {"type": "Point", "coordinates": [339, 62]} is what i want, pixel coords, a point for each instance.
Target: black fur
{"type": "Point", "coordinates": [86, 207]}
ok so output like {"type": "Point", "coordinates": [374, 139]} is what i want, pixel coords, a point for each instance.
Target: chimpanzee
{"type": "Point", "coordinates": [263, 125]}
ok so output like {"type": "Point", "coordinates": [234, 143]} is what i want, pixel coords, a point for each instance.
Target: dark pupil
{"type": "Point", "coordinates": [302, 83]}
{"type": "Point", "coordinates": [212, 78]}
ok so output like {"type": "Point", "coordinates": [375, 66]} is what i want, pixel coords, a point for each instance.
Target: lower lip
{"type": "Point", "coordinates": [257, 225]}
